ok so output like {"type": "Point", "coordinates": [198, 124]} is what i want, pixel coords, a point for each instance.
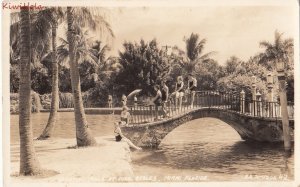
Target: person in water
{"type": "Point", "coordinates": [125, 116]}
{"type": "Point", "coordinates": [157, 100]}
{"type": "Point", "coordinates": [109, 101]}
{"type": "Point", "coordinates": [119, 136]}
{"type": "Point", "coordinates": [179, 91]}
{"type": "Point", "coordinates": [192, 85]}
{"type": "Point", "coordinates": [164, 97]}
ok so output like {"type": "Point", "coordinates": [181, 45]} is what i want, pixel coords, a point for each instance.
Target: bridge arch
{"type": "Point", "coordinates": [250, 128]}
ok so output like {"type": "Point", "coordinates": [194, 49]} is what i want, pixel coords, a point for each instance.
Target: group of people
{"type": "Point", "coordinates": [180, 92]}
{"type": "Point", "coordinates": [160, 100]}
{"type": "Point", "coordinates": [123, 121]}
{"type": "Point", "coordinates": [162, 93]}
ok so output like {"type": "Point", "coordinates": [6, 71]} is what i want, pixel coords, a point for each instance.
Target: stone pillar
{"type": "Point", "coordinates": [242, 102]}
{"type": "Point", "coordinates": [271, 107]}
{"type": "Point", "coordinates": [283, 103]}
{"type": "Point", "coordinates": [253, 106]}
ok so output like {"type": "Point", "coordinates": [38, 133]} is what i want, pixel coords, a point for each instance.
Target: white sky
{"type": "Point", "coordinates": [229, 30]}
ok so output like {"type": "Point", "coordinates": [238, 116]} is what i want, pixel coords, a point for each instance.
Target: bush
{"type": "Point", "coordinates": [14, 103]}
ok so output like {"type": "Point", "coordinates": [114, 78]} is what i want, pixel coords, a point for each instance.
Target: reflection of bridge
{"type": "Point", "coordinates": [254, 120]}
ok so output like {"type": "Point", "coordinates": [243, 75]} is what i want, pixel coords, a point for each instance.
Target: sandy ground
{"type": "Point", "coordinates": [101, 163]}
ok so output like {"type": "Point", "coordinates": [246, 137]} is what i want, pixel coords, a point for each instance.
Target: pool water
{"type": "Point", "coordinates": [203, 149]}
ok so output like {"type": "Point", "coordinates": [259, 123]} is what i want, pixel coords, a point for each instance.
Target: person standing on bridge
{"type": "Point", "coordinates": [179, 91]}
{"type": "Point", "coordinates": [157, 100]}
{"type": "Point", "coordinates": [192, 85]}
{"type": "Point", "coordinates": [164, 97]}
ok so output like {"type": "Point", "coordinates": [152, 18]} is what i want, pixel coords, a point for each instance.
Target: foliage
{"type": "Point", "coordinates": [193, 55]}
{"type": "Point", "coordinates": [238, 76]}
{"type": "Point", "coordinates": [143, 66]}
{"type": "Point", "coordinates": [205, 69]}
{"type": "Point", "coordinates": [280, 50]}
{"type": "Point", "coordinates": [207, 74]}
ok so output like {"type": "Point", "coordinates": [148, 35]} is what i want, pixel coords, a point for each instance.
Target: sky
{"type": "Point", "coordinates": [229, 30]}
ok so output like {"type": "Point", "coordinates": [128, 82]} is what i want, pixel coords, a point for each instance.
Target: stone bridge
{"type": "Point", "coordinates": [250, 128]}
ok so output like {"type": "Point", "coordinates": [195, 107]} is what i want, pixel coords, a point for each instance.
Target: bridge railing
{"type": "Point", "coordinates": [207, 99]}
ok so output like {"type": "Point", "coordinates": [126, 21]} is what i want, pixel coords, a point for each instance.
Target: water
{"type": "Point", "coordinates": [101, 125]}
{"type": "Point", "coordinates": [203, 149]}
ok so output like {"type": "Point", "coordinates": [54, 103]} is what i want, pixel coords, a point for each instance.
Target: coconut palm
{"type": "Point", "coordinates": [105, 66]}
{"type": "Point", "coordinates": [29, 164]}
{"type": "Point", "coordinates": [82, 17]}
{"type": "Point", "coordinates": [52, 16]}
{"type": "Point", "coordinates": [189, 60]}
{"type": "Point", "coordinates": [281, 49]}
{"type": "Point", "coordinates": [86, 56]}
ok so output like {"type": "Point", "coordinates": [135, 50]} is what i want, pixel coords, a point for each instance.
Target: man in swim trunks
{"type": "Point", "coordinates": [192, 86]}
{"type": "Point", "coordinates": [157, 100]}
{"type": "Point", "coordinates": [179, 91]}
{"type": "Point", "coordinates": [164, 97]}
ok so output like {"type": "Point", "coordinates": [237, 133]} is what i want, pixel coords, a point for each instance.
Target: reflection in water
{"type": "Point", "coordinates": [65, 128]}
{"type": "Point", "coordinates": [212, 148]}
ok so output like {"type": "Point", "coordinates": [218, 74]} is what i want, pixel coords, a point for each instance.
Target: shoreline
{"type": "Point", "coordinates": [102, 163]}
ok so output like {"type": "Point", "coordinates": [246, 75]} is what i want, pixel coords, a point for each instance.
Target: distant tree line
{"type": "Point", "coordinates": [141, 65]}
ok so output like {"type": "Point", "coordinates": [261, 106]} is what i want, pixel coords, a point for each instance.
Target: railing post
{"type": "Point", "coordinates": [253, 95]}
{"type": "Point", "coordinates": [259, 104]}
{"type": "Point", "coordinates": [242, 102]}
{"type": "Point", "coordinates": [151, 113]}
{"type": "Point", "coordinates": [270, 81]}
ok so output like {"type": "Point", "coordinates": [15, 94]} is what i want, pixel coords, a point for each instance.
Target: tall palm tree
{"type": "Point", "coordinates": [29, 164]}
{"type": "Point", "coordinates": [281, 49]}
{"type": "Point", "coordinates": [84, 17]}
{"type": "Point", "coordinates": [52, 16]}
{"type": "Point", "coordinates": [85, 55]}
{"type": "Point", "coordinates": [189, 59]}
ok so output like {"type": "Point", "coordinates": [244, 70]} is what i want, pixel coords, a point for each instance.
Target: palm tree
{"type": "Point", "coordinates": [281, 49]}
{"type": "Point", "coordinates": [81, 16]}
{"type": "Point", "coordinates": [86, 56]}
{"type": "Point", "coordinates": [52, 16]}
{"type": "Point", "coordinates": [189, 60]}
{"type": "Point", "coordinates": [29, 165]}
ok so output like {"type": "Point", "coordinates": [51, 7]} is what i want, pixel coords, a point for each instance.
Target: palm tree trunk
{"type": "Point", "coordinates": [55, 99]}
{"type": "Point", "coordinates": [29, 164]}
{"type": "Point", "coordinates": [83, 135]}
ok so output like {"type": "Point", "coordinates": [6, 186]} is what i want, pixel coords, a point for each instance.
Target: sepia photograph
{"type": "Point", "coordinates": [150, 92]}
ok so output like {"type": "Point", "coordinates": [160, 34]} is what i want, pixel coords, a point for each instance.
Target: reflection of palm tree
{"type": "Point", "coordinates": [280, 50]}
{"type": "Point", "coordinates": [29, 164]}
{"type": "Point", "coordinates": [193, 56]}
